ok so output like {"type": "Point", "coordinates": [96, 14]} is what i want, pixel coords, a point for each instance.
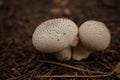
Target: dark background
{"type": "Point", "coordinates": [19, 18]}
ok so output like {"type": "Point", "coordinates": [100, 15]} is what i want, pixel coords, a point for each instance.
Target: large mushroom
{"type": "Point", "coordinates": [94, 36]}
{"type": "Point", "coordinates": [56, 36]}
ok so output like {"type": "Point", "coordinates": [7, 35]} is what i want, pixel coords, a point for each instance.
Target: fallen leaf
{"type": "Point", "coordinates": [117, 70]}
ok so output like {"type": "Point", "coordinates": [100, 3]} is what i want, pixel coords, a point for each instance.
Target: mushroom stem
{"type": "Point", "coordinates": [65, 54]}
{"type": "Point", "coordinates": [79, 52]}
{"type": "Point", "coordinates": [75, 42]}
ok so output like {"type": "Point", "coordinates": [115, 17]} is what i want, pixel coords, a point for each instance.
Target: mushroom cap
{"type": "Point", "coordinates": [54, 35]}
{"type": "Point", "coordinates": [94, 35]}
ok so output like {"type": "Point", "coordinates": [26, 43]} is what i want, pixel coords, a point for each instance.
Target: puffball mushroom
{"type": "Point", "coordinates": [56, 36]}
{"type": "Point", "coordinates": [94, 36]}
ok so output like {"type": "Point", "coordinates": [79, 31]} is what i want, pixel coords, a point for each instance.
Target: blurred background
{"type": "Point", "coordinates": [19, 18]}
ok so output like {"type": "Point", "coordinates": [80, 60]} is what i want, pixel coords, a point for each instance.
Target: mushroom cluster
{"type": "Point", "coordinates": [59, 35]}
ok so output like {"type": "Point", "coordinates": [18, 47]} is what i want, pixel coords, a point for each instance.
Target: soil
{"type": "Point", "coordinates": [19, 60]}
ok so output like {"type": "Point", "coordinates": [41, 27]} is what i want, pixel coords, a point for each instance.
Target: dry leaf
{"type": "Point", "coordinates": [117, 70]}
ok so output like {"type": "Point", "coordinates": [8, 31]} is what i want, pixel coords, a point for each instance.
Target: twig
{"type": "Point", "coordinates": [72, 76]}
{"type": "Point", "coordinates": [74, 67]}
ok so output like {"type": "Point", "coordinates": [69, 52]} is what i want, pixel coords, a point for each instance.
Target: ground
{"type": "Point", "coordinates": [19, 60]}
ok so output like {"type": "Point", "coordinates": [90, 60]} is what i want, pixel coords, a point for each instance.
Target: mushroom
{"type": "Point", "coordinates": [94, 36]}
{"type": "Point", "coordinates": [56, 36]}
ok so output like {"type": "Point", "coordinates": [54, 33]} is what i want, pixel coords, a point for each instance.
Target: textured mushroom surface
{"type": "Point", "coordinates": [54, 35]}
{"type": "Point", "coordinates": [94, 35]}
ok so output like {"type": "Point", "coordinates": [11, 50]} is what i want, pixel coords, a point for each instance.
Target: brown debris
{"type": "Point", "coordinates": [61, 2]}
{"type": "Point", "coordinates": [19, 60]}
{"type": "Point", "coordinates": [56, 11]}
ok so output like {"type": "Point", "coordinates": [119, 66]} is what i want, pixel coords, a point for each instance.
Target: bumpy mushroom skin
{"type": "Point", "coordinates": [54, 35]}
{"type": "Point", "coordinates": [94, 36]}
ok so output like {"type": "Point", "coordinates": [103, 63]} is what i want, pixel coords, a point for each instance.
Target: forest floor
{"type": "Point", "coordinates": [19, 60]}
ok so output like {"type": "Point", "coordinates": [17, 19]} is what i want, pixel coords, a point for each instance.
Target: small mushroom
{"type": "Point", "coordinates": [94, 36]}
{"type": "Point", "coordinates": [56, 36]}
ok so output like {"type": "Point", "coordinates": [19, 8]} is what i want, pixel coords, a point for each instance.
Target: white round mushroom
{"type": "Point", "coordinates": [55, 35]}
{"type": "Point", "coordinates": [94, 36]}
